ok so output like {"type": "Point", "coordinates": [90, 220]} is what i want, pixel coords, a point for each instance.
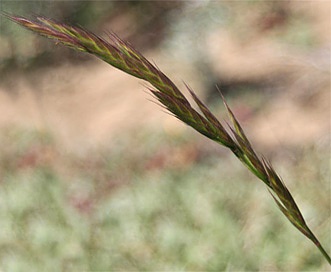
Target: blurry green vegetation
{"type": "Point", "coordinates": [150, 203]}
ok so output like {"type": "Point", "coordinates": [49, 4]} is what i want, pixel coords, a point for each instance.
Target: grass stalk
{"type": "Point", "coordinates": [123, 56]}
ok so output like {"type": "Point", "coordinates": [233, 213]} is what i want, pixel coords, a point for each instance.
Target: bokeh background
{"type": "Point", "coordinates": [95, 177]}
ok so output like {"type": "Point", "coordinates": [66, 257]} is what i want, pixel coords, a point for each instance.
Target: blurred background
{"type": "Point", "coordinates": [95, 177]}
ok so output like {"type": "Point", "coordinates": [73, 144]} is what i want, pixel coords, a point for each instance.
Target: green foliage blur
{"type": "Point", "coordinates": [159, 210]}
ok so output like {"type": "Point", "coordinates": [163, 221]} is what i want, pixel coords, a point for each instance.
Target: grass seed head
{"type": "Point", "coordinates": [123, 56]}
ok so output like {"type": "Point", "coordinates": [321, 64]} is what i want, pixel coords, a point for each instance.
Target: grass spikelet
{"type": "Point", "coordinates": [123, 56]}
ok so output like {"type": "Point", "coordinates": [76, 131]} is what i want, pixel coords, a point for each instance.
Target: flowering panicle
{"type": "Point", "coordinates": [123, 56]}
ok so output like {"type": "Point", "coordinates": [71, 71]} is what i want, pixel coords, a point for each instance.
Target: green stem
{"type": "Point", "coordinates": [326, 256]}
{"type": "Point", "coordinates": [320, 247]}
